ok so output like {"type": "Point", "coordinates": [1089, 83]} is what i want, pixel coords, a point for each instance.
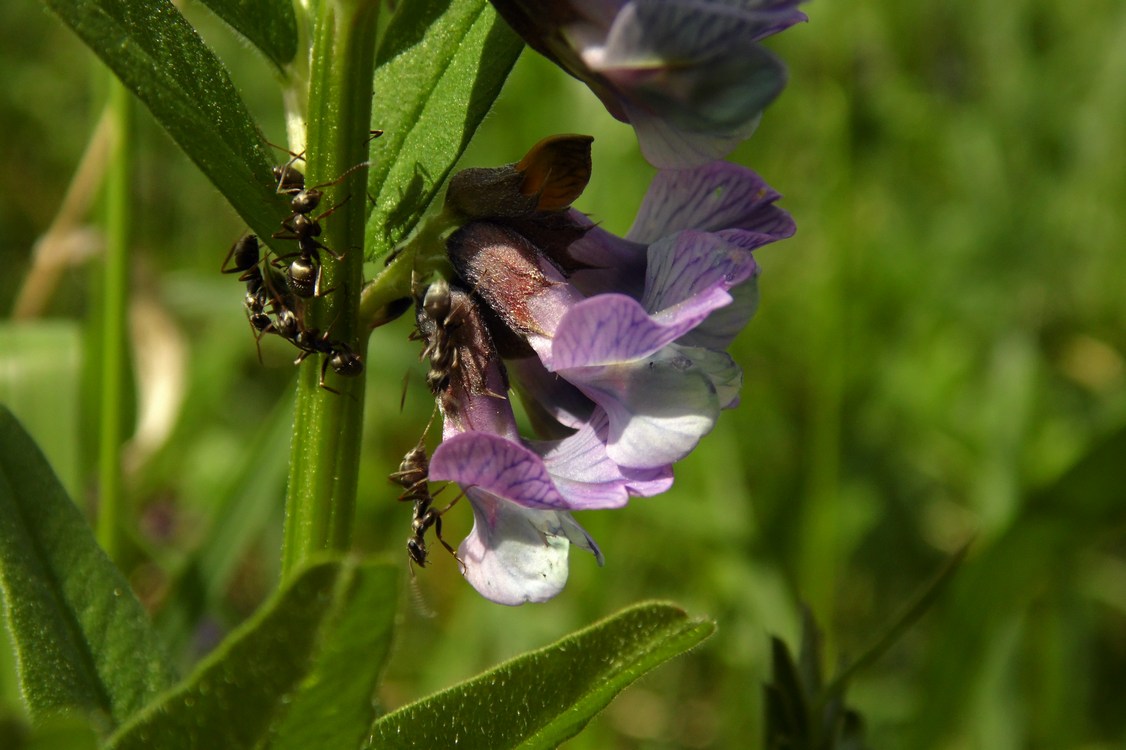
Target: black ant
{"type": "Point", "coordinates": [438, 306]}
{"type": "Point", "coordinates": [288, 178]}
{"type": "Point", "coordinates": [414, 477]}
{"type": "Point", "coordinates": [261, 299]}
{"type": "Point", "coordinates": [338, 355]}
{"type": "Point", "coordinates": [304, 271]}
{"type": "Point", "coordinates": [272, 310]}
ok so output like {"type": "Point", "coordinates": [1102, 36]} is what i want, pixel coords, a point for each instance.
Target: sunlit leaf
{"type": "Point", "coordinates": [334, 705]}
{"type": "Point", "coordinates": [440, 66]}
{"type": "Point", "coordinates": [325, 634]}
{"type": "Point", "coordinates": [268, 24]}
{"type": "Point", "coordinates": [539, 699]}
{"type": "Point", "coordinates": [84, 642]}
{"type": "Point", "coordinates": [159, 57]}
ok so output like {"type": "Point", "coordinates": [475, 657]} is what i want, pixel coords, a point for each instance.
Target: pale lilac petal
{"type": "Point", "coordinates": [726, 377]}
{"type": "Point", "coordinates": [515, 555]}
{"type": "Point", "coordinates": [648, 482]}
{"type": "Point", "coordinates": [712, 198]}
{"type": "Point", "coordinates": [584, 472]}
{"type": "Point", "coordinates": [639, 482]}
{"type": "Point", "coordinates": [721, 327]}
{"type": "Point", "coordinates": [671, 148]}
{"type": "Point", "coordinates": [550, 393]}
{"type": "Point", "coordinates": [602, 249]}
{"type": "Point", "coordinates": [688, 278]}
{"type": "Point", "coordinates": [658, 408]}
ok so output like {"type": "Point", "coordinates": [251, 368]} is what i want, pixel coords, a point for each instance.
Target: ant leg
{"type": "Point", "coordinates": [324, 372]}
{"type": "Point", "coordinates": [438, 533]}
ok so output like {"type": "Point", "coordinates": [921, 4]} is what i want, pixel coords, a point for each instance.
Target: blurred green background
{"type": "Point", "coordinates": [938, 356]}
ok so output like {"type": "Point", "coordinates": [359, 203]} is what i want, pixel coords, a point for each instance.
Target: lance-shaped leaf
{"type": "Point", "coordinates": [303, 668]}
{"type": "Point", "coordinates": [267, 24]}
{"type": "Point", "coordinates": [159, 57]}
{"type": "Point", "coordinates": [83, 642]}
{"type": "Point", "coordinates": [439, 69]}
{"type": "Point", "coordinates": [540, 699]}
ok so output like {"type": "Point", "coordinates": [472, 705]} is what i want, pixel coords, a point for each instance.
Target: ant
{"type": "Point", "coordinates": [338, 355]}
{"type": "Point", "coordinates": [413, 477]}
{"type": "Point", "coordinates": [273, 311]}
{"type": "Point", "coordinates": [438, 306]}
{"type": "Point", "coordinates": [304, 271]}
{"type": "Point", "coordinates": [260, 294]}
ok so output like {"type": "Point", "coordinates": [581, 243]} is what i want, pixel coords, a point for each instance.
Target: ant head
{"type": "Point", "coordinates": [416, 549]}
{"type": "Point", "coordinates": [288, 178]}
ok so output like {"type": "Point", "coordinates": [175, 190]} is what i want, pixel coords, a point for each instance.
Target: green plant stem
{"type": "Point", "coordinates": [418, 256]}
{"type": "Point", "coordinates": [111, 521]}
{"type": "Point", "coordinates": [324, 456]}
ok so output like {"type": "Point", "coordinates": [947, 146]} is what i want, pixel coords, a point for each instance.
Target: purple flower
{"type": "Point", "coordinates": [615, 344]}
{"type": "Point", "coordinates": [521, 491]}
{"type": "Point", "coordinates": [689, 75]}
{"type": "Point", "coordinates": [639, 332]}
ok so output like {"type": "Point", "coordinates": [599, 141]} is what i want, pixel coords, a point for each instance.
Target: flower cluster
{"type": "Point", "coordinates": [615, 345]}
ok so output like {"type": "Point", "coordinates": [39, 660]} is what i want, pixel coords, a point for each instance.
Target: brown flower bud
{"type": "Point", "coordinates": [549, 178]}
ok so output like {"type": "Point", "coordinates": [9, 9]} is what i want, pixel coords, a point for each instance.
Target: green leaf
{"type": "Point", "coordinates": [83, 640]}
{"type": "Point", "coordinates": [267, 24]}
{"type": "Point", "coordinates": [159, 57]}
{"type": "Point", "coordinates": [333, 708]}
{"type": "Point", "coordinates": [306, 662]}
{"type": "Point", "coordinates": [540, 699]}
{"type": "Point", "coordinates": [439, 69]}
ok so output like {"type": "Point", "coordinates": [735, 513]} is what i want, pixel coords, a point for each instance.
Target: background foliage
{"type": "Point", "coordinates": [941, 342]}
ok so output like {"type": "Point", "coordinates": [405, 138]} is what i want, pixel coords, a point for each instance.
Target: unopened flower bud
{"type": "Point", "coordinates": [549, 178]}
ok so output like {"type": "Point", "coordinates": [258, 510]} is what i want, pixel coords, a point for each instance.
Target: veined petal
{"type": "Point", "coordinates": [550, 393]}
{"type": "Point", "coordinates": [712, 198]}
{"type": "Point", "coordinates": [606, 330]}
{"type": "Point", "coordinates": [688, 276]}
{"type": "Point", "coordinates": [515, 555]}
{"type": "Point", "coordinates": [582, 469]}
{"type": "Point", "coordinates": [696, 61]}
{"type": "Point", "coordinates": [498, 466]}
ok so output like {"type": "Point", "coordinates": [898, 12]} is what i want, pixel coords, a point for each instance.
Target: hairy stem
{"type": "Point", "coordinates": [324, 457]}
